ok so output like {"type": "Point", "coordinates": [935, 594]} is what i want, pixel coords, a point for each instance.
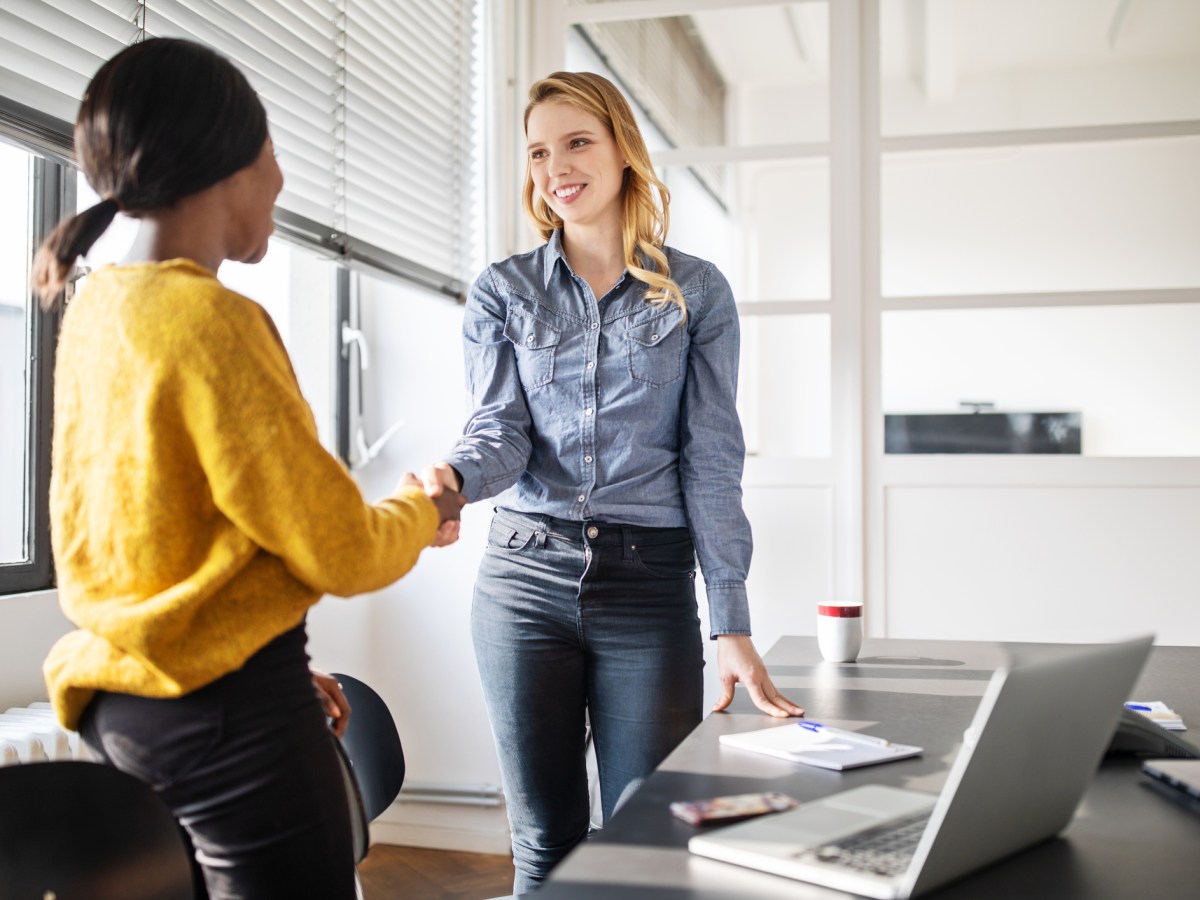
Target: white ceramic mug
{"type": "Point", "coordinates": [839, 631]}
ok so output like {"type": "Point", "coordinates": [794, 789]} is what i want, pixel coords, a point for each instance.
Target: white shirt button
{"type": "Point", "coordinates": [581, 498]}
{"type": "Point", "coordinates": [588, 411]}
{"type": "Point", "coordinates": [593, 531]}
{"type": "Point", "coordinates": [595, 325]}
{"type": "Point", "coordinates": [654, 337]}
{"type": "Point", "coordinates": [591, 365]}
{"type": "Point", "coordinates": [529, 340]}
{"type": "Point", "coordinates": [587, 459]}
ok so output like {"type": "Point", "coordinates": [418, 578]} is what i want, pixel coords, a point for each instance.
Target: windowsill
{"type": "Point", "coordinates": [50, 594]}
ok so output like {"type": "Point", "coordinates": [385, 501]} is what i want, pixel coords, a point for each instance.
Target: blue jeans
{"type": "Point", "coordinates": [582, 617]}
{"type": "Point", "coordinates": [248, 767]}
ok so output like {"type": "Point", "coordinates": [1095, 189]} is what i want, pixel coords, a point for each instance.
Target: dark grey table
{"type": "Point", "coordinates": [1127, 840]}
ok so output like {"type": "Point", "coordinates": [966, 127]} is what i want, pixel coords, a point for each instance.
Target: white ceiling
{"type": "Point", "coordinates": [789, 43]}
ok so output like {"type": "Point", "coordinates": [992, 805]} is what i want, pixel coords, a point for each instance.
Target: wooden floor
{"type": "Point", "coordinates": [410, 873]}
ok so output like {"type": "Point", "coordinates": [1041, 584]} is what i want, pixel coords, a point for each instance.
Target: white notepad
{"type": "Point", "coordinates": [818, 745]}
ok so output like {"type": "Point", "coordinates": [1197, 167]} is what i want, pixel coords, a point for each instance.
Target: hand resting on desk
{"type": "Point", "coordinates": [737, 660]}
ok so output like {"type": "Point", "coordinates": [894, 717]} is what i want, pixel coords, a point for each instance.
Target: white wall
{"type": "Point", "coordinates": [1050, 563]}
{"type": "Point", "coordinates": [29, 626]}
{"type": "Point", "coordinates": [412, 640]}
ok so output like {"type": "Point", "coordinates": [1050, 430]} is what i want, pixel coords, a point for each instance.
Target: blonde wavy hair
{"type": "Point", "coordinates": [644, 221]}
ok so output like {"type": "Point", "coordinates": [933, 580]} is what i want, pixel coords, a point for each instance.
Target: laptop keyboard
{"type": "Point", "coordinates": [886, 850]}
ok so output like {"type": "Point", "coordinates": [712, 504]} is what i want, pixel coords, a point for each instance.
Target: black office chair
{"type": "Point", "coordinates": [74, 830]}
{"type": "Point", "coordinates": [373, 759]}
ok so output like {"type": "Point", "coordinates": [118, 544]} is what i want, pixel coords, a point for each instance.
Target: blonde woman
{"type": "Point", "coordinates": [603, 368]}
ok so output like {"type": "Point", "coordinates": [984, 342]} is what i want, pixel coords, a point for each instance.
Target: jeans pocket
{"type": "Point", "coordinates": [509, 538]}
{"type": "Point", "coordinates": [673, 560]}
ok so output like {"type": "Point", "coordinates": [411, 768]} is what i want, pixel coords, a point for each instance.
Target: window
{"type": "Point", "coordinates": [14, 359]}
{"type": "Point", "coordinates": [36, 190]}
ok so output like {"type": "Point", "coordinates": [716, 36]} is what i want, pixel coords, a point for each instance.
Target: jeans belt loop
{"type": "Point", "coordinates": [539, 538]}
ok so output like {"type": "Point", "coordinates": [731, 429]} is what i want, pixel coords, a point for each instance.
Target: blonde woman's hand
{"type": "Point", "coordinates": [737, 660]}
{"type": "Point", "coordinates": [441, 484]}
{"type": "Point", "coordinates": [438, 477]}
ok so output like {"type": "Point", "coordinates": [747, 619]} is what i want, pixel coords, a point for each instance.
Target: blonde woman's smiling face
{"type": "Point", "coordinates": [575, 163]}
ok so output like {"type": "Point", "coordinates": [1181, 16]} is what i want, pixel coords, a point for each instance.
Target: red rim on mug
{"type": "Point", "coordinates": [840, 610]}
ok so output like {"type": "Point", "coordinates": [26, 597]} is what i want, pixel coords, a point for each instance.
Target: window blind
{"type": "Point", "coordinates": [288, 51]}
{"type": "Point", "coordinates": [49, 50]}
{"type": "Point", "coordinates": [371, 104]}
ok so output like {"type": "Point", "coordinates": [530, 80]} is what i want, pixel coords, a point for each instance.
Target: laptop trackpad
{"type": "Point", "coordinates": [830, 818]}
{"type": "Point", "coordinates": [798, 829]}
{"type": "Point", "coordinates": [878, 801]}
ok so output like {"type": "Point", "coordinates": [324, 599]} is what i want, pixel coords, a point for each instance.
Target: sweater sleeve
{"type": "Point", "coordinates": [257, 444]}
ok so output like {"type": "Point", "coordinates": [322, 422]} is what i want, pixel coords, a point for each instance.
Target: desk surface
{"type": "Point", "coordinates": [1126, 840]}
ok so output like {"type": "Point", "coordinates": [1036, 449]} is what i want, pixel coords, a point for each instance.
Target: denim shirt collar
{"type": "Point", "coordinates": [553, 254]}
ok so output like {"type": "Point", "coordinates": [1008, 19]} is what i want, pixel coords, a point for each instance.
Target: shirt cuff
{"type": "Point", "coordinates": [728, 608]}
{"type": "Point", "coordinates": [468, 470]}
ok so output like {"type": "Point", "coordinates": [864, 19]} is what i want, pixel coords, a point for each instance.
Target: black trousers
{"type": "Point", "coordinates": [248, 767]}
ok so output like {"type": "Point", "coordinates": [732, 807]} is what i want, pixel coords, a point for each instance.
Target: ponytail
{"type": "Point", "coordinates": [72, 239]}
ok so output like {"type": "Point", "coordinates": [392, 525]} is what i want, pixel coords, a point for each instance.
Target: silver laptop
{"type": "Point", "coordinates": [1035, 743]}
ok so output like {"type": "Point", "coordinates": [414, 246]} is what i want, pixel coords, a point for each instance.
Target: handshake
{"type": "Point", "coordinates": [441, 483]}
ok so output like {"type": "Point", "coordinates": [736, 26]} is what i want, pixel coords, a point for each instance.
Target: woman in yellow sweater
{"type": "Point", "coordinates": [195, 515]}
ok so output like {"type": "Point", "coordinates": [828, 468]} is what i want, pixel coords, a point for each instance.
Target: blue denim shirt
{"type": "Point", "coordinates": [615, 409]}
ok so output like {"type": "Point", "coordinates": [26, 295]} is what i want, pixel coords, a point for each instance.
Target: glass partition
{"type": "Point", "coordinates": [1110, 215]}
{"type": "Point", "coordinates": [959, 66]}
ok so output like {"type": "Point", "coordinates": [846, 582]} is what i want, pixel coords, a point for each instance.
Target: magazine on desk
{"type": "Point", "coordinates": [815, 744]}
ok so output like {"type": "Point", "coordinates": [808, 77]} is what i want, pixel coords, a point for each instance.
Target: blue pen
{"type": "Point", "coordinates": [1138, 707]}
{"type": "Point", "coordinates": [842, 734]}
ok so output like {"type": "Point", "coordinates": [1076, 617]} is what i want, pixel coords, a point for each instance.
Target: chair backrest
{"type": "Point", "coordinates": [372, 748]}
{"type": "Point", "coordinates": [360, 827]}
{"type": "Point", "coordinates": [74, 830]}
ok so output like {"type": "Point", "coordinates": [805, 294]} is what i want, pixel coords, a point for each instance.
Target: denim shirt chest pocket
{"type": "Point", "coordinates": [535, 342]}
{"type": "Point", "coordinates": [656, 341]}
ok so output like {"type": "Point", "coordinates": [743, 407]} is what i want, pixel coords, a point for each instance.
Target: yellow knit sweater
{"type": "Point", "coordinates": [194, 514]}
